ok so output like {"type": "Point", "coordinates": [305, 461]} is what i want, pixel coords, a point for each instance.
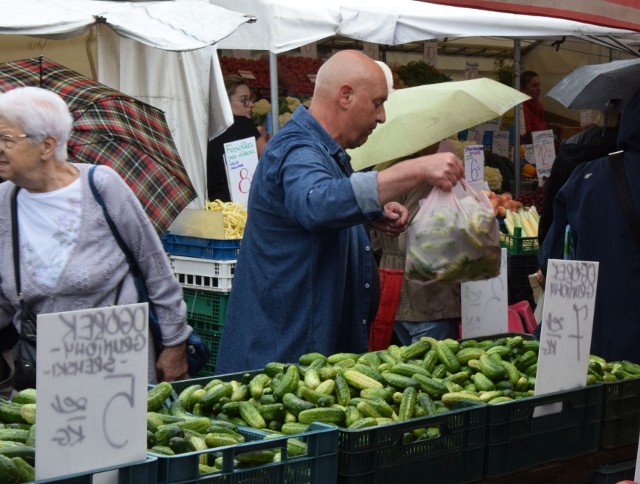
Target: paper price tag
{"type": "Point", "coordinates": [544, 152]}
{"type": "Point", "coordinates": [92, 389]}
{"type": "Point", "coordinates": [484, 304]}
{"type": "Point", "coordinates": [241, 159]}
{"type": "Point", "coordinates": [474, 163]}
{"type": "Point", "coordinates": [567, 322]}
{"type": "Point", "coordinates": [500, 145]}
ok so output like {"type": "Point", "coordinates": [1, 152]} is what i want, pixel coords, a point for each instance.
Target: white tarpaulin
{"type": "Point", "coordinates": [160, 52]}
{"type": "Point", "coordinates": [178, 25]}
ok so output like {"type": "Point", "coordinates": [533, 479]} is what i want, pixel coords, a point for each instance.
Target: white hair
{"type": "Point", "coordinates": [388, 75]}
{"type": "Point", "coordinates": [40, 113]}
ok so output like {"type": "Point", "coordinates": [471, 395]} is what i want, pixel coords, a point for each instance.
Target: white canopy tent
{"type": "Point", "coordinates": [284, 25]}
{"type": "Point", "coordinates": [161, 52]}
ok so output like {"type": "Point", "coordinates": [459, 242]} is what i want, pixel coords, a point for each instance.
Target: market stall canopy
{"type": "Point", "coordinates": [178, 25]}
{"type": "Point", "coordinates": [594, 86]}
{"type": "Point", "coordinates": [404, 21]}
{"type": "Point", "coordinates": [420, 116]}
{"type": "Point", "coordinates": [284, 25]}
{"type": "Point", "coordinates": [609, 13]}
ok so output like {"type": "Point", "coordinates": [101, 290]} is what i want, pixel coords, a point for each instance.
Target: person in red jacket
{"type": "Point", "coordinates": [532, 109]}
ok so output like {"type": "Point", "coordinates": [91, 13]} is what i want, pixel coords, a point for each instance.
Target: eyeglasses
{"type": "Point", "coordinates": [7, 141]}
{"type": "Point", "coordinates": [246, 101]}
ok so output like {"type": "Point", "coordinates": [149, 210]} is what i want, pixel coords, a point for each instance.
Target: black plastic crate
{"type": "Point", "coordinates": [317, 466]}
{"type": "Point", "coordinates": [378, 454]}
{"type": "Point", "coordinates": [613, 473]}
{"type": "Point", "coordinates": [516, 440]}
{"type": "Point", "coordinates": [620, 413]}
{"type": "Point", "coordinates": [145, 472]}
{"type": "Point", "coordinates": [518, 269]}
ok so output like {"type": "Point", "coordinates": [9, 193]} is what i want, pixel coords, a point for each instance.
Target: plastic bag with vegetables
{"type": "Point", "coordinates": [454, 237]}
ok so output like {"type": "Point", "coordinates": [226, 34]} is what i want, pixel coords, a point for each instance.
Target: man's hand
{"type": "Point", "coordinates": [395, 219]}
{"type": "Point", "coordinates": [442, 170]}
{"type": "Point", "coordinates": [172, 364]}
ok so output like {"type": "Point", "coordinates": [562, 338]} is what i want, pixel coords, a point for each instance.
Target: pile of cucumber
{"type": "Point", "coordinates": [18, 437]}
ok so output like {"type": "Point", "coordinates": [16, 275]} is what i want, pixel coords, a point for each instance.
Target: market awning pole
{"type": "Point", "coordinates": [273, 82]}
{"type": "Point", "coordinates": [516, 124]}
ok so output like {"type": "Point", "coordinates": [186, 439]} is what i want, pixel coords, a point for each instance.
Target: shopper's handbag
{"type": "Point", "coordinates": [24, 347]}
{"type": "Point", "coordinates": [198, 352]}
{"type": "Point", "coordinates": [381, 330]}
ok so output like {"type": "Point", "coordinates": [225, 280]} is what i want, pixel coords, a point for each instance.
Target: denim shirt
{"type": "Point", "coordinates": [304, 276]}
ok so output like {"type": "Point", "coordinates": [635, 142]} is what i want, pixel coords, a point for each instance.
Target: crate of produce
{"type": "Point", "coordinates": [614, 473]}
{"type": "Point", "coordinates": [518, 245]}
{"type": "Point", "coordinates": [262, 458]}
{"type": "Point", "coordinates": [145, 472]}
{"type": "Point", "coordinates": [517, 440]}
{"type": "Point", "coordinates": [203, 274]}
{"type": "Point", "coordinates": [620, 413]}
{"type": "Point", "coordinates": [217, 249]}
{"type": "Point", "coordinates": [383, 455]}
{"type": "Point", "coordinates": [206, 312]}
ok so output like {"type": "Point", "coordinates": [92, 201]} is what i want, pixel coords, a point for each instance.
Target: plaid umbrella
{"type": "Point", "coordinates": [117, 130]}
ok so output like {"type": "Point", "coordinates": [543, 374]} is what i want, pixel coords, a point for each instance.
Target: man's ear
{"type": "Point", "coordinates": [345, 95]}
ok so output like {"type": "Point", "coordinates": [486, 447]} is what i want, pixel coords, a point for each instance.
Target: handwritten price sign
{"type": "Point", "coordinates": [567, 322]}
{"type": "Point", "coordinates": [241, 158]}
{"type": "Point", "coordinates": [544, 152]}
{"type": "Point", "coordinates": [484, 304]}
{"type": "Point", "coordinates": [474, 163]}
{"type": "Point", "coordinates": [92, 389]}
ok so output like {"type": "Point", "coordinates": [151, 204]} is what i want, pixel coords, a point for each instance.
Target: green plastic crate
{"type": "Point", "coordinates": [518, 245]}
{"type": "Point", "coordinates": [620, 413]}
{"type": "Point", "coordinates": [613, 473]}
{"type": "Point", "coordinates": [378, 455]}
{"type": "Point", "coordinates": [516, 440]}
{"type": "Point", "coordinates": [206, 312]}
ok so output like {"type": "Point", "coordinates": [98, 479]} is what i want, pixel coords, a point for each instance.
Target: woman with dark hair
{"type": "Point", "coordinates": [532, 109]}
{"type": "Point", "coordinates": [241, 99]}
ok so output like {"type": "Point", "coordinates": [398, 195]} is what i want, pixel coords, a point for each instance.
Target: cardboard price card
{"type": "Point", "coordinates": [92, 389]}
{"type": "Point", "coordinates": [474, 163]}
{"type": "Point", "coordinates": [544, 152]}
{"type": "Point", "coordinates": [567, 322]}
{"type": "Point", "coordinates": [241, 159]}
{"type": "Point", "coordinates": [484, 304]}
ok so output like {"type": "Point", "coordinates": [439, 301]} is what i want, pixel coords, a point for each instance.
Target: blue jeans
{"type": "Point", "coordinates": [409, 331]}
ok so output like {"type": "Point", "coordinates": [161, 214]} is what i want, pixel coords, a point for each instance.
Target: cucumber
{"type": "Point", "coordinates": [28, 395]}
{"type": "Point", "coordinates": [8, 471]}
{"type": "Point", "coordinates": [166, 432]}
{"type": "Point", "coordinates": [408, 403]}
{"type": "Point", "coordinates": [157, 395]}
{"type": "Point", "coordinates": [26, 472]}
{"type": "Point", "coordinates": [399, 381]}
{"type": "Point", "coordinates": [251, 415]}
{"type": "Point", "coordinates": [330, 415]}
{"type": "Point", "coordinates": [295, 404]}
{"type": "Point", "coordinates": [10, 412]}
{"type": "Point", "coordinates": [360, 380]}
{"type": "Point", "coordinates": [14, 435]}
{"type": "Point", "coordinates": [180, 445]}
{"type": "Point", "coordinates": [415, 350]}
{"type": "Point", "coordinates": [447, 357]}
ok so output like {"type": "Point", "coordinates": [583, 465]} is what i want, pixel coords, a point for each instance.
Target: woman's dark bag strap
{"type": "Point", "coordinates": [624, 194]}
{"type": "Point", "coordinates": [143, 294]}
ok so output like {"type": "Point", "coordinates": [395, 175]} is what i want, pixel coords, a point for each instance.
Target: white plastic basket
{"type": "Point", "coordinates": [205, 274]}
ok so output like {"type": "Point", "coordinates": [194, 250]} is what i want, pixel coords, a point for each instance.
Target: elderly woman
{"type": "Point", "coordinates": [68, 258]}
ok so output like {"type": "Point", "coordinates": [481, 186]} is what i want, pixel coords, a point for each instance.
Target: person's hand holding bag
{"type": "Point", "coordinates": [454, 237]}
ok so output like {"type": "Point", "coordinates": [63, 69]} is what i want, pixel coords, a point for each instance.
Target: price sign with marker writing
{"type": "Point", "coordinates": [92, 389]}
{"type": "Point", "coordinates": [567, 322]}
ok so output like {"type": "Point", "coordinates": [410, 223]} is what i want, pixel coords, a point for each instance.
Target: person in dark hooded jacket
{"type": "Point", "coordinates": [594, 142]}
{"type": "Point", "coordinates": [589, 204]}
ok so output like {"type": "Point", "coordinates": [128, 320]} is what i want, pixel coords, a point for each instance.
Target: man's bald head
{"type": "Point", "coordinates": [348, 98]}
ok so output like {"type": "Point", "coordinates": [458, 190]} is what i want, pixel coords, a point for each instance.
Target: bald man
{"type": "Point", "coordinates": [306, 279]}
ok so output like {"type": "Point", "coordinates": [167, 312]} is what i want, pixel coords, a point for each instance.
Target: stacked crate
{"type": "Point", "coordinates": [204, 268]}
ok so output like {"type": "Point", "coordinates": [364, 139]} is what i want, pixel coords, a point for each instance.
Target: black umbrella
{"type": "Point", "coordinates": [595, 85]}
